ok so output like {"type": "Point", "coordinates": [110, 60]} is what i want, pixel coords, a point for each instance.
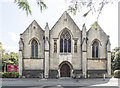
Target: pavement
{"type": "Point", "coordinates": [60, 83]}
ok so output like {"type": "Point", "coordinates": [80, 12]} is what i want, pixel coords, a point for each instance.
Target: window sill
{"type": "Point", "coordinates": [65, 53]}
{"type": "Point", "coordinates": [96, 58]}
{"type": "Point", "coordinates": [33, 58]}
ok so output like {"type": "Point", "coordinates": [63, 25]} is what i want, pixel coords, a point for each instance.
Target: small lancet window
{"type": "Point", "coordinates": [95, 50]}
{"type": "Point", "coordinates": [34, 48]}
{"type": "Point", "coordinates": [75, 46]}
{"type": "Point", "coordinates": [65, 42]}
{"type": "Point", "coordinates": [55, 46]}
{"type": "Point", "coordinates": [34, 27]}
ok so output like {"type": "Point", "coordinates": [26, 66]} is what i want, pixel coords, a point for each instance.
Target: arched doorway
{"type": "Point", "coordinates": [65, 69]}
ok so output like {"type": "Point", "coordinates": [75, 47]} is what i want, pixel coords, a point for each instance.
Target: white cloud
{"type": "Point", "coordinates": [10, 48]}
{"type": "Point", "coordinates": [14, 36]}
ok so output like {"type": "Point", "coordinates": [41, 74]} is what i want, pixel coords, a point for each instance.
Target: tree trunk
{"type": "Point", "coordinates": [5, 67]}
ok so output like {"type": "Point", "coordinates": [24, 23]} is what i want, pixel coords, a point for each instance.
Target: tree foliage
{"type": "Point", "coordinates": [24, 4]}
{"type": "Point", "coordinates": [115, 59]}
{"type": "Point", "coordinates": [14, 57]}
{"type": "Point", "coordinates": [94, 25]}
{"type": "Point", "coordinates": [94, 6]}
{"type": "Point", "coordinates": [7, 58]}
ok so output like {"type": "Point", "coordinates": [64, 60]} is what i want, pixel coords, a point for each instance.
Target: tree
{"type": "Point", "coordinates": [24, 4]}
{"type": "Point", "coordinates": [14, 57]}
{"type": "Point", "coordinates": [7, 58]}
{"type": "Point", "coordinates": [115, 59]}
{"type": "Point", "coordinates": [94, 6]}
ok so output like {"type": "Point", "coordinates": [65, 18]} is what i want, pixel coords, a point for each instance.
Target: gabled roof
{"type": "Point", "coordinates": [63, 16]}
{"type": "Point", "coordinates": [34, 21]}
{"type": "Point", "coordinates": [96, 26]}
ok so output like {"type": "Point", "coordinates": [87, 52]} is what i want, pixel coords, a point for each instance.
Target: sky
{"type": "Point", "coordinates": [14, 21]}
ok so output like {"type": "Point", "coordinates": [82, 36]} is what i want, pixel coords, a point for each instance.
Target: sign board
{"type": "Point", "coordinates": [12, 68]}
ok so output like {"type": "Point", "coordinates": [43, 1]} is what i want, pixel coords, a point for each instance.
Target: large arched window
{"type": "Point", "coordinates": [95, 49]}
{"type": "Point", "coordinates": [34, 48]}
{"type": "Point", "coordinates": [65, 42]}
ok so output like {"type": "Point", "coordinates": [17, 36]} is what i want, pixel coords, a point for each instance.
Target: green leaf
{"type": "Point", "coordinates": [9, 61]}
{"type": "Point", "coordinates": [41, 4]}
{"type": "Point", "coordinates": [94, 26]}
{"type": "Point", "coordinates": [24, 5]}
{"type": "Point", "coordinates": [72, 10]}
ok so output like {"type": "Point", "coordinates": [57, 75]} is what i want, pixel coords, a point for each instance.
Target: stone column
{"type": "Point", "coordinates": [109, 63]}
{"type": "Point", "coordinates": [84, 52]}
{"type": "Point", "coordinates": [20, 57]}
{"type": "Point", "coordinates": [84, 70]}
{"type": "Point", "coordinates": [46, 61]}
{"type": "Point", "coordinates": [108, 57]}
{"type": "Point", "coordinates": [46, 70]}
{"type": "Point", "coordinates": [20, 63]}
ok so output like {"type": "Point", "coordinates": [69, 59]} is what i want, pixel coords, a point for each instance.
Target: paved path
{"type": "Point", "coordinates": [60, 83]}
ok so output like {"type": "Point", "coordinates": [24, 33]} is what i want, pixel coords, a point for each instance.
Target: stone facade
{"type": "Point", "coordinates": [64, 51]}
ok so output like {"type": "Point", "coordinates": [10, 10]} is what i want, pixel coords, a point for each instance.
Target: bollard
{"type": "Point", "coordinates": [85, 76]}
{"type": "Point", "coordinates": [88, 76]}
{"type": "Point", "coordinates": [104, 77]}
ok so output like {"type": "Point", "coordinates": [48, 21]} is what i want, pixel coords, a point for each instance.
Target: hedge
{"type": "Point", "coordinates": [117, 73]}
{"type": "Point", "coordinates": [10, 74]}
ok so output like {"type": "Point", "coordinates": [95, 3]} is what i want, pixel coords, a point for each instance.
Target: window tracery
{"type": "Point", "coordinates": [65, 42]}
{"type": "Point", "coordinates": [34, 48]}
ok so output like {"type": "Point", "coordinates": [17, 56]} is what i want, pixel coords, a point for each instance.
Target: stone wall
{"type": "Point", "coordinates": [33, 64]}
{"type": "Point", "coordinates": [34, 31]}
{"type": "Point", "coordinates": [96, 64]}
{"type": "Point", "coordinates": [99, 35]}
{"type": "Point", "coordinates": [77, 73]}
{"type": "Point", "coordinates": [96, 73]}
{"type": "Point", "coordinates": [47, 63]}
{"type": "Point", "coordinates": [33, 73]}
{"type": "Point", "coordinates": [53, 73]}
{"type": "Point", "coordinates": [65, 23]}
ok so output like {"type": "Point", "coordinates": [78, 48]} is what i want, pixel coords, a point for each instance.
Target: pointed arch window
{"type": "Point", "coordinates": [34, 48]}
{"type": "Point", "coordinates": [65, 42]}
{"type": "Point", "coordinates": [95, 49]}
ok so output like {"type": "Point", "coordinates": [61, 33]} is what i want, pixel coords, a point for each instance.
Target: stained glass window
{"type": "Point", "coordinates": [36, 51]}
{"type": "Point", "coordinates": [95, 50]}
{"type": "Point", "coordinates": [65, 42]}
{"type": "Point", "coordinates": [69, 45]}
{"type": "Point", "coordinates": [93, 54]}
{"type": "Point", "coordinates": [61, 45]}
{"type": "Point", "coordinates": [34, 48]}
{"type": "Point", "coordinates": [65, 45]}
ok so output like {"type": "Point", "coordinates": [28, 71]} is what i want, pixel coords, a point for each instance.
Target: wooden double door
{"type": "Point", "coordinates": [65, 70]}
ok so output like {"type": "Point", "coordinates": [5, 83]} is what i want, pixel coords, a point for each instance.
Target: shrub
{"type": "Point", "coordinates": [117, 73]}
{"type": "Point", "coordinates": [10, 75]}
{"type": "Point", "coordinates": [0, 74]}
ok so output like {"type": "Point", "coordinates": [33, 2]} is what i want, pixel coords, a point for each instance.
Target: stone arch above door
{"type": "Point", "coordinates": [65, 69]}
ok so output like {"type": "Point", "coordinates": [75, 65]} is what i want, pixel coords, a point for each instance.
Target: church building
{"type": "Point", "coordinates": [64, 51]}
